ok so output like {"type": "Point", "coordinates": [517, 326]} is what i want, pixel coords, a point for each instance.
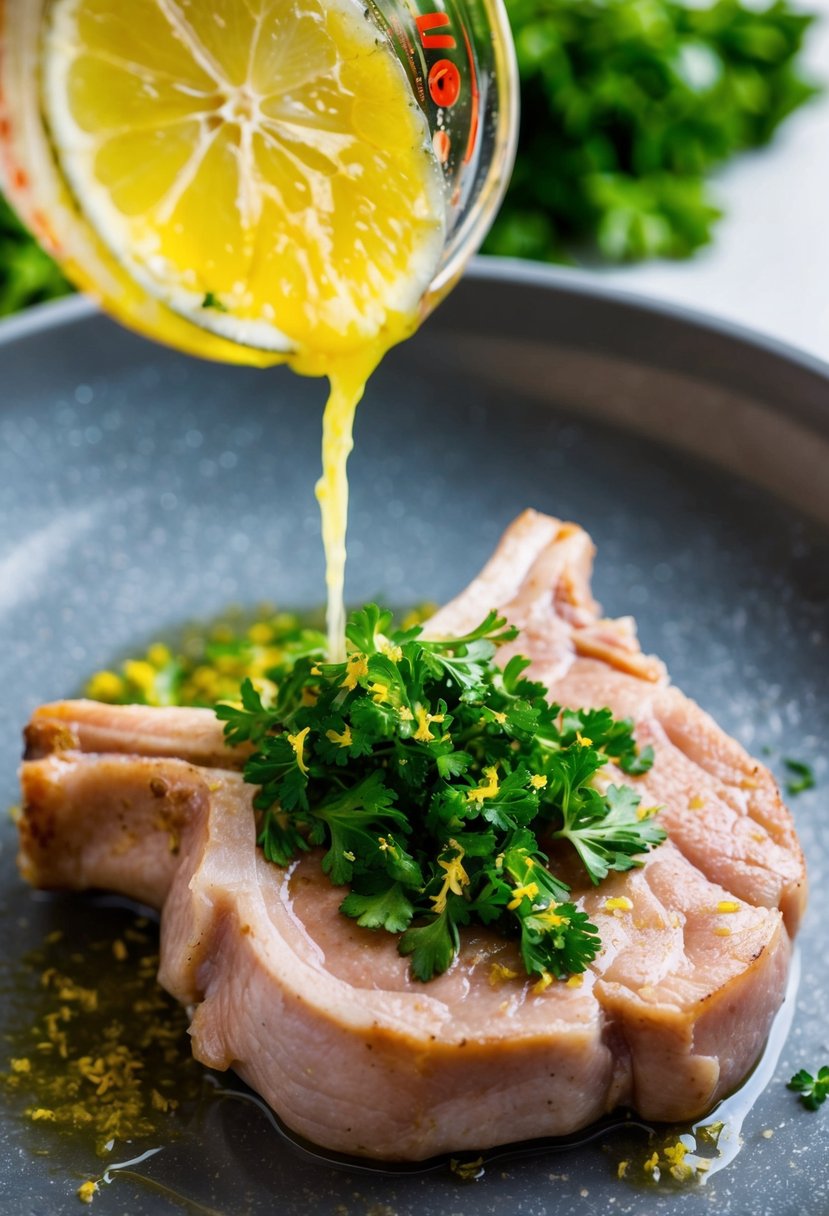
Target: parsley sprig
{"type": "Point", "coordinates": [813, 1090]}
{"type": "Point", "coordinates": [432, 777]}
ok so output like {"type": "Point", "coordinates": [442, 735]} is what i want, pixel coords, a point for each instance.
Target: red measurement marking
{"type": "Point", "coordinates": [434, 21]}
{"type": "Point", "coordinates": [444, 83]}
{"type": "Point", "coordinates": [476, 102]}
{"type": "Point", "coordinates": [442, 145]}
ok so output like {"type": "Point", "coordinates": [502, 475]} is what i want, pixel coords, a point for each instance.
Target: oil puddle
{"type": "Point", "coordinates": [97, 1071]}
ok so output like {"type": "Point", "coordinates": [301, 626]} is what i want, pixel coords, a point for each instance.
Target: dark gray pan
{"type": "Point", "coordinates": [139, 489]}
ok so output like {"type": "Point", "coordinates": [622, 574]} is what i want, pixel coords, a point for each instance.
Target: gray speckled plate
{"type": "Point", "coordinates": [139, 490]}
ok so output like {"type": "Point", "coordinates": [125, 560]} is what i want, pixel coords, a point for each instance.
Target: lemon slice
{"type": "Point", "coordinates": [258, 166]}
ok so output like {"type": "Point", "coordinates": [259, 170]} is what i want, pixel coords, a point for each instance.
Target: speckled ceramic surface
{"type": "Point", "coordinates": [139, 490]}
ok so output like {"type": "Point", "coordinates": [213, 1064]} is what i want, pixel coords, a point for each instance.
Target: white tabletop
{"type": "Point", "coordinates": [768, 266]}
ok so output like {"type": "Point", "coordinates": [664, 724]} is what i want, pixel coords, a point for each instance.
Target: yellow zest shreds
{"type": "Point", "coordinates": [675, 1157]}
{"type": "Point", "coordinates": [387, 846]}
{"type": "Point", "coordinates": [87, 1190]}
{"type": "Point", "coordinates": [488, 788]}
{"type": "Point", "coordinates": [297, 742]}
{"type": "Point", "coordinates": [548, 917]}
{"type": "Point", "coordinates": [143, 675]}
{"type": "Point", "coordinates": [208, 662]}
{"type": "Point", "coordinates": [696, 803]}
{"type": "Point", "coordinates": [575, 981]}
{"type": "Point", "coordinates": [119, 950]}
{"type": "Point", "coordinates": [728, 905]}
{"type": "Point", "coordinates": [349, 856]}
{"type": "Point", "coordinates": [261, 633]}
{"type": "Point", "coordinates": [542, 984]}
{"type": "Point", "coordinates": [455, 879]}
{"type": "Point", "coordinates": [583, 740]}
{"type": "Point", "coordinates": [620, 903]}
{"type": "Point", "coordinates": [405, 714]}
{"type": "Point", "coordinates": [467, 1171]}
{"type": "Point", "coordinates": [343, 739]}
{"type": "Point", "coordinates": [499, 974]}
{"type": "Point", "coordinates": [356, 668]}
{"type": "Point", "coordinates": [159, 655]}
{"type": "Point", "coordinates": [528, 891]}
{"type": "Point", "coordinates": [94, 1057]}
{"type": "Point", "coordinates": [105, 686]}
{"type": "Point", "coordinates": [379, 693]}
{"type": "Point", "coordinates": [674, 1160]}
{"type": "Point", "coordinates": [722, 931]}
{"type": "Point", "coordinates": [424, 721]}
{"type": "Point", "coordinates": [538, 781]}
{"type": "Point", "coordinates": [647, 812]}
{"type": "Point", "coordinates": [390, 650]}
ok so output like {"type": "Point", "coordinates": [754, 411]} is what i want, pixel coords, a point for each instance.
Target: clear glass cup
{"type": "Point", "coordinates": [459, 59]}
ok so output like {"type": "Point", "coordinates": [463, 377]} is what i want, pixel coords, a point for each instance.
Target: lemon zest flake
{"type": "Point", "coordinates": [488, 788]}
{"type": "Point", "coordinates": [499, 973]}
{"type": "Point", "coordinates": [297, 742]}
{"type": "Point", "coordinates": [343, 739]}
{"type": "Point", "coordinates": [455, 879]}
{"type": "Point", "coordinates": [529, 891]}
{"type": "Point", "coordinates": [618, 903]}
{"type": "Point", "coordinates": [356, 670]}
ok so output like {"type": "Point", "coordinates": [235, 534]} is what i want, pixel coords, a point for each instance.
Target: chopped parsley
{"type": "Point", "coordinates": [813, 1090]}
{"type": "Point", "coordinates": [432, 778]}
{"type": "Point", "coordinates": [802, 777]}
{"type": "Point", "coordinates": [212, 301]}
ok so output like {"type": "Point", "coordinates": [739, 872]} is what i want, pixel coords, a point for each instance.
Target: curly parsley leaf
{"type": "Point", "coordinates": [609, 831]}
{"type": "Point", "coordinates": [813, 1090]}
{"type": "Point", "coordinates": [385, 907]}
{"type": "Point", "coordinates": [425, 774]}
{"type": "Point", "coordinates": [802, 777]}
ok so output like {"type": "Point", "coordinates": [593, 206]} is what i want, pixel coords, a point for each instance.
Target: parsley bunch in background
{"type": "Point", "coordinates": [430, 776]}
{"type": "Point", "coordinates": [27, 274]}
{"type": "Point", "coordinates": [627, 107]}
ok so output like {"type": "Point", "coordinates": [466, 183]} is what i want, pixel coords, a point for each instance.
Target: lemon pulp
{"type": "Point", "coordinates": [261, 170]}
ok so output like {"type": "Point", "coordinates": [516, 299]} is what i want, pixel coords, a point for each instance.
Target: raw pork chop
{"type": "Point", "coordinates": [322, 1017]}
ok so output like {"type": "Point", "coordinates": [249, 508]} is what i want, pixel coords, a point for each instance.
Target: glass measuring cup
{"type": "Point", "coordinates": [459, 62]}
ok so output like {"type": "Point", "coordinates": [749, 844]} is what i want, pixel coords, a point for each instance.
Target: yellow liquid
{"type": "Point", "coordinates": [248, 183]}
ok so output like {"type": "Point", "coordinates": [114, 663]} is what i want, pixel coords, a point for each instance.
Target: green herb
{"type": "Point", "coordinates": [430, 776]}
{"type": "Point", "coordinates": [627, 107]}
{"type": "Point", "coordinates": [27, 274]}
{"type": "Point", "coordinates": [813, 1090]}
{"type": "Point", "coordinates": [803, 777]}
{"type": "Point", "coordinates": [212, 301]}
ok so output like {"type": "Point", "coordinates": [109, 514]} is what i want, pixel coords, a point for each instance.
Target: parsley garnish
{"type": "Point", "coordinates": [813, 1090]}
{"type": "Point", "coordinates": [802, 777]}
{"type": "Point", "coordinates": [212, 301]}
{"type": "Point", "coordinates": [431, 777]}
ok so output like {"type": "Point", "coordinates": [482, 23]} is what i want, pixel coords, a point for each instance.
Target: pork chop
{"type": "Point", "coordinates": [322, 1016]}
